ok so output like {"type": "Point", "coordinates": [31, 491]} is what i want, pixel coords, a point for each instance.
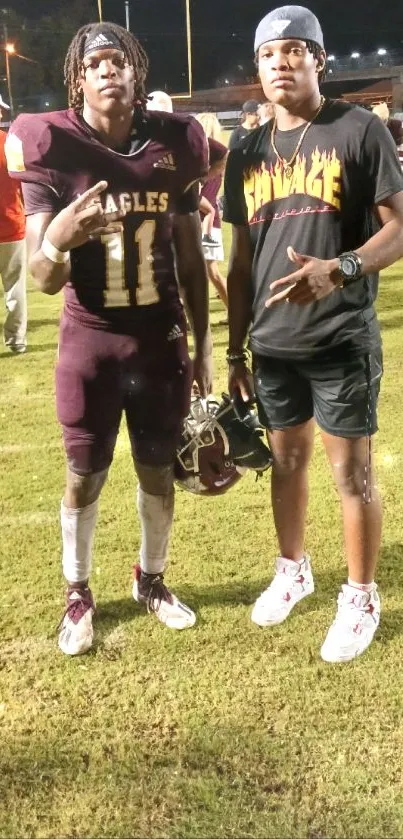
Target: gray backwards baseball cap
{"type": "Point", "coordinates": [289, 22]}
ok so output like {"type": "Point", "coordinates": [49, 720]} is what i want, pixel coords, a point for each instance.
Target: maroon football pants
{"type": "Point", "coordinates": [100, 375]}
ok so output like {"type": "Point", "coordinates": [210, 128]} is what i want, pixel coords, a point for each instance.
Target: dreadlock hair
{"type": "Point", "coordinates": [315, 49]}
{"type": "Point", "coordinates": [132, 49]}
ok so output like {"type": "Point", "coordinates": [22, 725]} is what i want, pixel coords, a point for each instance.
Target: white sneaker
{"type": "Point", "coordinates": [17, 349]}
{"type": "Point", "coordinates": [354, 627]}
{"type": "Point", "coordinates": [150, 590]}
{"type": "Point", "coordinates": [76, 633]}
{"type": "Point", "coordinates": [292, 582]}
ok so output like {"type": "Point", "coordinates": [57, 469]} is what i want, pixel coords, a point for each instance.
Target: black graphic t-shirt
{"type": "Point", "coordinates": [346, 165]}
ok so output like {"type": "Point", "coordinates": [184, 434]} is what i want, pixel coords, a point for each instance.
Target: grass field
{"type": "Point", "coordinates": [222, 731]}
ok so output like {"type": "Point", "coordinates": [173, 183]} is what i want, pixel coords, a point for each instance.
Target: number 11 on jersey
{"type": "Point", "coordinates": [117, 292]}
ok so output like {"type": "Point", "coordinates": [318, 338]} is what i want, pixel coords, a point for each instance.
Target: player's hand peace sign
{"type": "Point", "coordinates": [84, 219]}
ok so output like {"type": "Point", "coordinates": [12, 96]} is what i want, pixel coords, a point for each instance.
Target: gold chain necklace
{"type": "Point", "coordinates": [288, 164]}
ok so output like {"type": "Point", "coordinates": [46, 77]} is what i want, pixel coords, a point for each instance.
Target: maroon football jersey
{"type": "Point", "coordinates": [131, 274]}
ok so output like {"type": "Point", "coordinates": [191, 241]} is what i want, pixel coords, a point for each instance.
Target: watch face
{"type": "Point", "coordinates": [348, 266]}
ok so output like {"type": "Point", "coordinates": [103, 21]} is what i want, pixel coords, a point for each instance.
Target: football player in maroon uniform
{"type": "Point", "coordinates": [113, 220]}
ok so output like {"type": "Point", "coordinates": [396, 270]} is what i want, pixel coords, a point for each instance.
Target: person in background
{"type": "Point", "coordinates": [266, 112]}
{"type": "Point", "coordinates": [250, 121]}
{"type": "Point", "coordinates": [4, 114]}
{"type": "Point", "coordinates": [158, 100]}
{"type": "Point", "coordinates": [394, 125]}
{"type": "Point", "coordinates": [211, 221]}
{"type": "Point", "coordinates": [207, 213]}
{"type": "Point", "coordinates": [13, 258]}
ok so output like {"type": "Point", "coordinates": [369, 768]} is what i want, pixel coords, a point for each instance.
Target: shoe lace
{"type": "Point", "coordinates": [157, 592]}
{"type": "Point", "coordinates": [282, 582]}
{"type": "Point", "coordinates": [351, 612]}
{"type": "Point", "coordinates": [77, 606]}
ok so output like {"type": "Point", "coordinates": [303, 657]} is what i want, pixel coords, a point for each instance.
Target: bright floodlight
{"type": "Point", "coordinates": [331, 58]}
{"type": "Point", "coordinates": [355, 55]}
{"type": "Point", "coordinates": [10, 48]}
{"type": "Point", "coordinates": [382, 51]}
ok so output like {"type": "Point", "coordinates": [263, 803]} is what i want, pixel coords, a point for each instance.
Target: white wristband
{"type": "Point", "coordinates": [54, 254]}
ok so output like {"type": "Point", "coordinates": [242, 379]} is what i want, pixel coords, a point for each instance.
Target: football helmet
{"type": "Point", "coordinates": [220, 441]}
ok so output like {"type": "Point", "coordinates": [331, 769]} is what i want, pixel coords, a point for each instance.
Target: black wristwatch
{"type": "Point", "coordinates": [350, 267]}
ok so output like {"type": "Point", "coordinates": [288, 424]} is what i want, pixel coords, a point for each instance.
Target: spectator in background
{"type": "Point", "coordinates": [395, 125]}
{"type": "Point", "coordinates": [158, 100]}
{"type": "Point", "coordinates": [4, 113]}
{"type": "Point", "coordinates": [211, 220]}
{"type": "Point", "coordinates": [250, 114]}
{"type": "Point", "coordinates": [13, 260]}
{"type": "Point", "coordinates": [266, 112]}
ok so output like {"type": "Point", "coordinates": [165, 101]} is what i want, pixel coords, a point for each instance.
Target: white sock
{"type": "Point", "coordinates": [296, 561]}
{"type": "Point", "coordinates": [78, 528]}
{"type": "Point", "coordinates": [156, 514]}
{"type": "Point", "coordinates": [361, 586]}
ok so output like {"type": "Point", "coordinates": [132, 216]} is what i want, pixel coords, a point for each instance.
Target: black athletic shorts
{"type": "Point", "coordinates": [341, 393]}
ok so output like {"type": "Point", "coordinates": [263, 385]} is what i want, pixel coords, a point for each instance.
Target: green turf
{"type": "Point", "coordinates": [222, 731]}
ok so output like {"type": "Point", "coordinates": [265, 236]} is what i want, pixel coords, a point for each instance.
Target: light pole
{"type": "Point", "coordinates": [187, 95]}
{"type": "Point", "coordinates": [100, 10]}
{"type": "Point", "coordinates": [9, 49]}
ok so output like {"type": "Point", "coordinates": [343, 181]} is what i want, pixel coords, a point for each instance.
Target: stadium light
{"type": "Point", "coordinates": [9, 49]}
{"type": "Point", "coordinates": [331, 58]}
{"type": "Point", "coordinates": [355, 55]}
{"type": "Point", "coordinates": [382, 51]}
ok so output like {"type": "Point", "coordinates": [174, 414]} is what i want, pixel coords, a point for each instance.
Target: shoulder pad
{"type": "Point", "coordinates": [30, 149]}
{"type": "Point", "coordinates": [185, 135]}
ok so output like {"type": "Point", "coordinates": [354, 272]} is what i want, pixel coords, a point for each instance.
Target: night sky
{"type": "Point", "coordinates": [223, 30]}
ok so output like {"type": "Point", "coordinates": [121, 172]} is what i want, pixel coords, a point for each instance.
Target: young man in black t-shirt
{"type": "Point", "coordinates": [301, 194]}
